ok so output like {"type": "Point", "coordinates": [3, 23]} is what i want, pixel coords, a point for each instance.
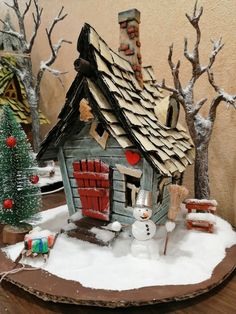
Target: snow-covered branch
{"type": "Point", "coordinates": [174, 70]}
{"type": "Point", "coordinates": [46, 65]}
{"type": "Point", "coordinates": [55, 48]}
{"type": "Point", "coordinates": [217, 46]}
{"type": "Point", "coordinates": [8, 30]}
{"type": "Point", "coordinates": [12, 33]}
{"type": "Point", "coordinates": [20, 18]}
{"type": "Point", "coordinates": [24, 67]}
{"type": "Point", "coordinates": [163, 85]}
{"type": "Point", "coordinates": [222, 96]}
{"type": "Point", "coordinates": [49, 69]}
{"type": "Point", "coordinates": [193, 57]}
{"type": "Point", "coordinates": [199, 105]}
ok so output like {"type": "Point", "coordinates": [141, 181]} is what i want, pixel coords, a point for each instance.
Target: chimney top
{"type": "Point", "coordinates": [129, 15]}
{"type": "Point", "coordinates": [129, 48]}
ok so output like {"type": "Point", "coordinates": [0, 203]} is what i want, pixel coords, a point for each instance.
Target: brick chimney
{"type": "Point", "coordinates": [130, 44]}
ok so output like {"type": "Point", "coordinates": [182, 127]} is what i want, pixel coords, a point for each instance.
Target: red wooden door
{"type": "Point", "coordinates": [93, 180]}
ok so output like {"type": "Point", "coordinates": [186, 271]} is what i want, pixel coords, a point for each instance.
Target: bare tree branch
{"type": "Point", "coordinates": [20, 18]}
{"type": "Point", "coordinates": [222, 96]}
{"type": "Point", "coordinates": [9, 6]}
{"type": "Point", "coordinates": [55, 48]}
{"type": "Point", "coordinates": [12, 33]}
{"type": "Point", "coordinates": [188, 55]}
{"type": "Point", "coordinates": [226, 97]}
{"type": "Point", "coordinates": [37, 21]}
{"type": "Point", "coordinates": [174, 70]}
{"type": "Point", "coordinates": [27, 6]}
{"type": "Point", "coordinates": [199, 105]}
{"type": "Point", "coordinates": [197, 69]}
{"type": "Point", "coordinates": [217, 46]}
{"type": "Point", "coordinates": [167, 88]}
{"type": "Point", "coordinates": [46, 65]}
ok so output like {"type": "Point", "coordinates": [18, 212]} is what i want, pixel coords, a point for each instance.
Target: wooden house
{"type": "Point", "coordinates": [108, 139]}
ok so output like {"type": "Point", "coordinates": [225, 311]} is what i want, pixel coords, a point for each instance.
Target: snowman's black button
{"type": "Point", "coordinates": [148, 233]}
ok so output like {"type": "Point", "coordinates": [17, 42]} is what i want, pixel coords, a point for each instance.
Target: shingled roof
{"type": "Point", "coordinates": [19, 103]}
{"type": "Point", "coordinates": [125, 109]}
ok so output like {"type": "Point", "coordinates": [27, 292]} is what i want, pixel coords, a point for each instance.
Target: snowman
{"type": "Point", "coordinates": [144, 229]}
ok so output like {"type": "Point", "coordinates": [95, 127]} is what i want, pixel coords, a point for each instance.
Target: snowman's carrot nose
{"type": "Point", "coordinates": [146, 215]}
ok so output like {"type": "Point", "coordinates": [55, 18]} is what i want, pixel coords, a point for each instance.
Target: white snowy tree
{"type": "Point", "coordinates": [200, 127]}
{"type": "Point", "coordinates": [23, 67]}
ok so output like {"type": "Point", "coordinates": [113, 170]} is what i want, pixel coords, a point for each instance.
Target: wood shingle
{"type": "Point", "coordinates": [125, 109]}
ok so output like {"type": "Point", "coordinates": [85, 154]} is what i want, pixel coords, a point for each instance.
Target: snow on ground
{"type": "Point", "coordinates": [191, 256]}
{"type": "Point", "coordinates": [45, 179]}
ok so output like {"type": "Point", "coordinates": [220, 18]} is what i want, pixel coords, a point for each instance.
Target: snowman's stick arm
{"type": "Point", "coordinates": [166, 242]}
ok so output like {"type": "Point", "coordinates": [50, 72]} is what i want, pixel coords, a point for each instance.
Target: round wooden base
{"type": "Point", "coordinates": [51, 288]}
{"type": "Point", "coordinates": [12, 234]}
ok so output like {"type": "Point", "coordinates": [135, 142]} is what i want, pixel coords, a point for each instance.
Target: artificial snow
{"type": "Point", "coordinates": [200, 201]}
{"type": "Point", "coordinates": [76, 216]}
{"type": "Point", "coordinates": [38, 233]}
{"type": "Point", "coordinates": [44, 177]}
{"type": "Point", "coordinates": [103, 235]}
{"type": "Point", "coordinates": [202, 216]}
{"type": "Point", "coordinates": [191, 256]}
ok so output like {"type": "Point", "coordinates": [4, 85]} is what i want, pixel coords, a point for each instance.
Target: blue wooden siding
{"type": "Point", "coordinates": [83, 146]}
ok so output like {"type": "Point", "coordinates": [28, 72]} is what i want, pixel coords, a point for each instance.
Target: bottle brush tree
{"type": "Point", "coordinates": [200, 127]}
{"type": "Point", "coordinates": [19, 193]}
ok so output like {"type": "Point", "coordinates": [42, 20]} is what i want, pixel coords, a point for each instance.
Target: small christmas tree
{"type": "Point", "coordinates": [19, 194]}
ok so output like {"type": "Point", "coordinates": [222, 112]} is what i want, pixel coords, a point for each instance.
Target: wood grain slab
{"type": "Point", "coordinates": [52, 288]}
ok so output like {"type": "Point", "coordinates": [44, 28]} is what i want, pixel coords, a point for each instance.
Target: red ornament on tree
{"type": "Point", "coordinates": [8, 203]}
{"type": "Point", "coordinates": [11, 141]}
{"type": "Point", "coordinates": [34, 179]}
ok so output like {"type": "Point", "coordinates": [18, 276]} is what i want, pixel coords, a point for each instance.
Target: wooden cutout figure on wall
{"type": "Point", "coordinates": [85, 111]}
{"type": "Point", "coordinates": [98, 132]}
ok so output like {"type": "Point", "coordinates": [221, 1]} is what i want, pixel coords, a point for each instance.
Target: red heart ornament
{"type": "Point", "coordinates": [132, 157]}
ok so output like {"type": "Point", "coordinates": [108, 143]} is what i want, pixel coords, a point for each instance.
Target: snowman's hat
{"type": "Point", "coordinates": [144, 199]}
